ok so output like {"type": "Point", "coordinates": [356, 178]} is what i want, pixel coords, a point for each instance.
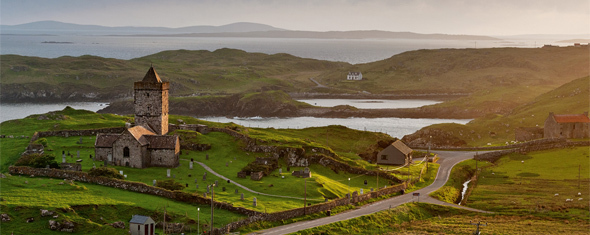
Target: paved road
{"type": "Point", "coordinates": [317, 83]}
{"type": "Point", "coordinates": [447, 160]}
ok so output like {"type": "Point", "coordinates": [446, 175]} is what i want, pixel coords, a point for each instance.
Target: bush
{"type": "Point", "coordinates": [42, 141]}
{"type": "Point", "coordinates": [105, 172]}
{"type": "Point", "coordinates": [170, 185]}
{"type": "Point", "coordinates": [37, 161]}
{"type": "Point", "coordinates": [447, 194]}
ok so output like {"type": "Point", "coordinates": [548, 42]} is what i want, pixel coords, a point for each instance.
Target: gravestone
{"type": "Point", "coordinates": [371, 189]}
{"type": "Point", "coordinates": [93, 165]}
{"type": "Point", "coordinates": [208, 188]}
{"type": "Point", "coordinates": [186, 185]}
{"type": "Point", "coordinates": [216, 184]}
{"type": "Point", "coordinates": [90, 156]}
{"type": "Point", "coordinates": [121, 172]}
{"type": "Point", "coordinates": [242, 197]}
{"type": "Point", "coordinates": [254, 202]}
{"type": "Point", "coordinates": [190, 165]}
{"type": "Point", "coordinates": [325, 199]}
{"type": "Point", "coordinates": [288, 169]}
{"type": "Point", "coordinates": [361, 191]}
{"type": "Point", "coordinates": [63, 158]}
{"type": "Point", "coordinates": [190, 175]}
{"type": "Point", "coordinates": [153, 182]}
{"type": "Point", "coordinates": [195, 181]}
{"type": "Point", "coordinates": [174, 176]}
{"type": "Point", "coordinates": [205, 195]}
{"type": "Point", "coordinates": [207, 157]}
{"type": "Point", "coordinates": [205, 176]}
{"type": "Point", "coordinates": [223, 189]}
{"type": "Point", "coordinates": [236, 191]}
{"type": "Point", "coordinates": [228, 181]}
{"type": "Point", "coordinates": [365, 182]}
{"type": "Point", "coordinates": [280, 170]}
{"type": "Point", "coordinates": [227, 164]}
{"type": "Point", "coordinates": [125, 176]}
{"type": "Point", "coordinates": [192, 159]}
{"type": "Point", "coordinates": [80, 141]}
{"type": "Point", "coordinates": [197, 186]}
{"type": "Point", "coordinates": [168, 173]}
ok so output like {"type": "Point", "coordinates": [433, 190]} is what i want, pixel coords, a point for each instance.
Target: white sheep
{"type": "Point", "coordinates": [580, 199]}
{"type": "Point", "coordinates": [569, 200]}
{"type": "Point", "coordinates": [557, 194]}
{"type": "Point", "coordinates": [579, 194]}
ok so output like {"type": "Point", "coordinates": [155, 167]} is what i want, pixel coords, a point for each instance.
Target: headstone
{"type": "Point", "coordinates": [80, 140]}
{"type": "Point", "coordinates": [190, 165]}
{"type": "Point", "coordinates": [90, 156]}
{"type": "Point", "coordinates": [125, 176]}
{"type": "Point", "coordinates": [168, 173]}
{"type": "Point", "coordinates": [63, 158]}
{"type": "Point", "coordinates": [288, 169]}
{"type": "Point", "coordinates": [205, 176]}
{"type": "Point", "coordinates": [361, 191]}
{"type": "Point", "coordinates": [121, 172]}
{"type": "Point", "coordinates": [174, 176]}
{"type": "Point", "coordinates": [207, 157]}
{"type": "Point", "coordinates": [63, 152]}
{"type": "Point", "coordinates": [190, 175]}
{"type": "Point", "coordinates": [242, 197]}
{"type": "Point", "coordinates": [205, 195]}
{"type": "Point", "coordinates": [280, 170]}
{"type": "Point", "coordinates": [371, 189]}
{"type": "Point", "coordinates": [192, 159]}
{"type": "Point", "coordinates": [208, 188]}
{"type": "Point", "coordinates": [223, 189]}
{"type": "Point", "coordinates": [197, 186]}
{"type": "Point", "coordinates": [254, 202]}
{"type": "Point", "coordinates": [187, 185]}
{"type": "Point", "coordinates": [216, 183]}
{"type": "Point", "coordinates": [227, 164]}
{"type": "Point", "coordinates": [93, 165]}
{"type": "Point", "coordinates": [325, 199]}
{"type": "Point", "coordinates": [195, 181]}
{"type": "Point", "coordinates": [153, 182]}
{"type": "Point", "coordinates": [228, 181]}
{"type": "Point", "coordinates": [236, 191]}
{"type": "Point", "coordinates": [365, 182]}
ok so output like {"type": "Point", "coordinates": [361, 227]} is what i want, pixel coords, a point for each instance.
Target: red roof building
{"type": "Point", "coordinates": [570, 126]}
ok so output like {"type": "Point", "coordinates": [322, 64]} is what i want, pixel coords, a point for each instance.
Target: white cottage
{"type": "Point", "coordinates": [141, 225]}
{"type": "Point", "coordinates": [354, 76]}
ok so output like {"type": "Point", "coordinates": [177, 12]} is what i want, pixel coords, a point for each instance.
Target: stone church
{"type": "Point", "coordinates": [145, 144]}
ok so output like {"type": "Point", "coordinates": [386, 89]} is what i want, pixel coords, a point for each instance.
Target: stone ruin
{"type": "Point", "coordinates": [305, 173]}
{"type": "Point", "coordinates": [256, 175]}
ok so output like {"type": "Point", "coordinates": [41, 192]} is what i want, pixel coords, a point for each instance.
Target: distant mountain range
{"type": "Point", "coordinates": [241, 29]}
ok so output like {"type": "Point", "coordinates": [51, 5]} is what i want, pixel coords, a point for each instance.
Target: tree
{"type": "Point", "coordinates": [105, 172]}
{"type": "Point", "coordinates": [37, 160]}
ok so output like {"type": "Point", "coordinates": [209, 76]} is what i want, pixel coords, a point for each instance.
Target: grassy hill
{"type": "Point", "coordinates": [570, 98]}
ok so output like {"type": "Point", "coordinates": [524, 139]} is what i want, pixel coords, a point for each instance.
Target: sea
{"type": "Point", "coordinates": [354, 51]}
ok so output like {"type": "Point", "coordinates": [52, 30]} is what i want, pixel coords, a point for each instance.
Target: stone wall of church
{"type": "Point", "coordinates": [136, 151]}
{"type": "Point", "coordinates": [151, 108]}
{"type": "Point", "coordinates": [163, 157]}
{"type": "Point", "coordinates": [101, 154]}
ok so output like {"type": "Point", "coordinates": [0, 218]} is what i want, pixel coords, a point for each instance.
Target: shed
{"type": "Point", "coordinates": [141, 225]}
{"type": "Point", "coordinates": [395, 154]}
{"type": "Point", "coordinates": [569, 126]}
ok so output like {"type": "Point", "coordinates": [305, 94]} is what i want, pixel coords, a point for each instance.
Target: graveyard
{"type": "Point", "coordinates": [278, 190]}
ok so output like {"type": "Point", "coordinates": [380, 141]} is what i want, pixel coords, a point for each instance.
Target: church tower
{"type": "Point", "coordinates": [151, 103]}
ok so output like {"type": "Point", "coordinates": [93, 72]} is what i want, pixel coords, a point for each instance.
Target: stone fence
{"type": "Point", "coordinates": [68, 133]}
{"type": "Point", "coordinates": [537, 146]}
{"type": "Point", "coordinates": [129, 186]}
{"type": "Point", "coordinates": [511, 146]}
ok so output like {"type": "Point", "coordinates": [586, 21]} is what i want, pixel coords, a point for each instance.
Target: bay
{"type": "Point", "coordinates": [395, 127]}
{"type": "Point", "coordinates": [22, 110]}
{"type": "Point", "coordinates": [128, 47]}
{"type": "Point", "coordinates": [371, 103]}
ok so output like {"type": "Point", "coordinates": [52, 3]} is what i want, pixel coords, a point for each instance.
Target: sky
{"type": "Point", "coordinates": [477, 17]}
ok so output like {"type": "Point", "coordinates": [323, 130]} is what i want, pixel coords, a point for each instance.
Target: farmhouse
{"type": "Point", "coordinates": [576, 126]}
{"type": "Point", "coordinates": [354, 76]}
{"type": "Point", "coordinates": [395, 154]}
{"type": "Point", "coordinates": [145, 144]}
{"type": "Point", "coordinates": [140, 225]}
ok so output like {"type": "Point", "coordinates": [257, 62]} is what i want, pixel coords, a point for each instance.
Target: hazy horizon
{"type": "Point", "coordinates": [502, 17]}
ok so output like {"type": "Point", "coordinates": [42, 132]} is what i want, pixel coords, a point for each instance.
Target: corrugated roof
{"type": "Point", "coordinates": [162, 141]}
{"type": "Point", "coordinates": [399, 145]}
{"type": "Point", "coordinates": [105, 140]}
{"type": "Point", "coordinates": [138, 132]}
{"type": "Point", "coordinates": [139, 219]}
{"type": "Point", "coordinates": [570, 118]}
{"type": "Point", "coordinates": [152, 76]}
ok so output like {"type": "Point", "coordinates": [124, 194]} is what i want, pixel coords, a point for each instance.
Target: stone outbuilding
{"type": "Point", "coordinates": [395, 154]}
{"type": "Point", "coordinates": [569, 126]}
{"type": "Point", "coordinates": [141, 225]}
{"type": "Point", "coordinates": [146, 144]}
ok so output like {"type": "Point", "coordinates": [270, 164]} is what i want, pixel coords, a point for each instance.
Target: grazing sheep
{"type": "Point", "coordinates": [557, 194]}
{"type": "Point", "coordinates": [569, 200]}
{"type": "Point", "coordinates": [580, 199]}
{"type": "Point", "coordinates": [579, 194]}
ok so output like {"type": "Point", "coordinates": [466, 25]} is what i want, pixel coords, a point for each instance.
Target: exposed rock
{"type": "Point", "coordinates": [118, 224]}
{"type": "Point", "coordinates": [46, 213]}
{"type": "Point", "coordinates": [29, 220]}
{"type": "Point", "coordinates": [5, 217]}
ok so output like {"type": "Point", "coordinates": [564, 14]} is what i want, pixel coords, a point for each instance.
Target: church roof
{"type": "Point", "coordinates": [571, 118]}
{"type": "Point", "coordinates": [162, 141]}
{"type": "Point", "coordinates": [152, 76]}
{"type": "Point", "coordinates": [105, 140]}
{"type": "Point", "coordinates": [138, 132]}
{"type": "Point", "coordinates": [399, 145]}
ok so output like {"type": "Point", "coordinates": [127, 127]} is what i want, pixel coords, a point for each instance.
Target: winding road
{"type": "Point", "coordinates": [448, 159]}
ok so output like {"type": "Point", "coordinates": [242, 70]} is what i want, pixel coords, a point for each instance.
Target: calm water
{"type": "Point", "coordinates": [371, 104]}
{"type": "Point", "coordinates": [126, 47]}
{"type": "Point", "coordinates": [396, 127]}
{"type": "Point", "coordinates": [18, 111]}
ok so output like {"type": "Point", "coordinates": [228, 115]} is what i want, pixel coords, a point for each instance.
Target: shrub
{"type": "Point", "coordinates": [447, 194]}
{"type": "Point", "coordinates": [37, 161]}
{"type": "Point", "coordinates": [105, 172]}
{"type": "Point", "coordinates": [42, 141]}
{"type": "Point", "coordinates": [170, 185]}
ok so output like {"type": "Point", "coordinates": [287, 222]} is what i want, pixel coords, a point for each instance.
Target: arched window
{"type": "Point", "coordinates": [126, 152]}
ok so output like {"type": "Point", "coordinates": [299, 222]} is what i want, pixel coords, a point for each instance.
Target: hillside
{"type": "Point", "coordinates": [497, 129]}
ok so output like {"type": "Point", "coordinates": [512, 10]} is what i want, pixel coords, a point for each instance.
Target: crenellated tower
{"type": "Point", "coordinates": [151, 102]}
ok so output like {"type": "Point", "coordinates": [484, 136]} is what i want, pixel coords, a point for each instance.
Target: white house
{"type": "Point", "coordinates": [354, 76]}
{"type": "Point", "coordinates": [141, 225]}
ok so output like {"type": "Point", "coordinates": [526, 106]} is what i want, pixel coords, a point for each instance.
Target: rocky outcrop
{"type": "Point", "coordinates": [64, 226]}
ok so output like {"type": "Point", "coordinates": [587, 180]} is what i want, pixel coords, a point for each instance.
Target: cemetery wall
{"type": "Point", "coordinates": [537, 146]}
{"type": "Point", "coordinates": [127, 185]}
{"type": "Point", "coordinates": [68, 133]}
